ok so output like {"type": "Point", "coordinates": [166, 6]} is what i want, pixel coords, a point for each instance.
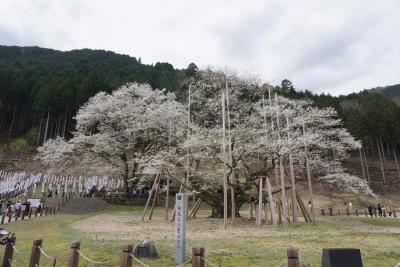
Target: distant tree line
{"type": "Point", "coordinates": [41, 89]}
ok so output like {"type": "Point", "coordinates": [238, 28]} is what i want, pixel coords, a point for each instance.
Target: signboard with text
{"type": "Point", "coordinates": [180, 227]}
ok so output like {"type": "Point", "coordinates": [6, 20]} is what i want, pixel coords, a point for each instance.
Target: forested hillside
{"type": "Point", "coordinates": [370, 116]}
{"type": "Point", "coordinates": [41, 89]}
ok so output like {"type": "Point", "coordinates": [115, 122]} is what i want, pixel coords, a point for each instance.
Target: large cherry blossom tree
{"type": "Point", "coordinates": [129, 127]}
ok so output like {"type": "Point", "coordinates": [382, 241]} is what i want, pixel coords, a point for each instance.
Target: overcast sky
{"type": "Point", "coordinates": [335, 47]}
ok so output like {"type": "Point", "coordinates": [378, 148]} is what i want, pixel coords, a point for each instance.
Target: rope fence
{"type": "Point", "coordinates": [282, 263]}
{"type": "Point", "coordinates": [128, 257]}
{"type": "Point", "coordinates": [93, 261]}
{"type": "Point", "coordinates": [210, 263]}
{"type": "Point", "coordinates": [139, 261]}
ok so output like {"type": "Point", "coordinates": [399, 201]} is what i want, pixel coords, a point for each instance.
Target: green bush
{"type": "Point", "coordinates": [19, 145]}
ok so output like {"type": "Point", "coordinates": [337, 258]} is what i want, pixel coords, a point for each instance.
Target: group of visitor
{"type": "Point", "coordinates": [379, 210]}
{"type": "Point", "coordinates": [56, 193]}
{"type": "Point", "coordinates": [18, 207]}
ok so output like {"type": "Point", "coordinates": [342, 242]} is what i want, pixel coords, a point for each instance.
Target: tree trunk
{"type": "Point", "coordinates": [397, 163]}
{"type": "Point", "coordinates": [40, 130]}
{"type": "Point", "coordinates": [65, 124]}
{"type": "Point", "coordinates": [362, 164]}
{"type": "Point", "coordinates": [12, 121]}
{"type": "Point", "coordinates": [372, 146]}
{"type": "Point", "coordinates": [271, 202]}
{"type": "Point", "coordinates": [366, 166]}
{"type": "Point", "coordinates": [382, 170]}
{"type": "Point", "coordinates": [47, 127]}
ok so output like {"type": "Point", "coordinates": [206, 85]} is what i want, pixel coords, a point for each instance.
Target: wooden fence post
{"type": "Point", "coordinates": [30, 213]}
{"type": "Point", "coordinates": [357, 212]}
{"type": "Point", "coordinates": [23, 215]}
{"type": "Point", "coordinates": [348, 212]}
{"type": "Point", "coordinates": [339, 213]}
{"type": "Point", "coordinates": [293, 257]}
{"type": "Point", "coordinates": [126, 259]}
{"type": "Point", "coordinates": [394, 213]}
{"type": "Point", "coordinates": [35, 254]}
{"type": "Point", "coordinates": [8, 252]}
{"type": "Point", "coordinates": [73, 258]}
{"type": "Point", "coordinates": [36, 213]}
{"type": "Point", "coordinates": [366, 214]}
{"type": "Point", "coordinates": [9, 216]}
{"type": "Point", "coordinates": [46, 210]}
{"type": "Point", "coordinates": [198, 257]}
{"type": "Point", "coordinates": [3, 217]}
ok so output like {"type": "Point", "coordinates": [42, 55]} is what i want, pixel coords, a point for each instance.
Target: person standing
{"type": "Point", "coordinates": [39, 207]}
{"type": "Point", "coordinates": [379, 210]}
{"type": "Point", "coordinates": [350, 205]}
{"type": "Point", "coordinates": [370, 210]}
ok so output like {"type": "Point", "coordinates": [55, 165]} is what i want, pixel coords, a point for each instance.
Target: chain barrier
{"type": "Point", "coordinates": [303, 262]}
{"type": "Point", "coordinates": [183, 263]}
{"type": "Point", "coordinates": [19, 252]}
{"type": "Point", "coordinates": [210, 263]}
{"type": "Point", "coordinates": [282, 263]}
{"type": "Point", "coordinates": [54, 259]}
{"type": "Point", "coordinates": [138, 261]}
{"type": "Point", "coordinates": [11, 263]}
{"type": "Point", "coordinates": [92, 261]}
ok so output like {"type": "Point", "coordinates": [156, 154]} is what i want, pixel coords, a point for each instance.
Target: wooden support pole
{"type": "Point", "coordinates": [225, 178]}
{"type": "Point", "coordinates": [271, 202]}
{"type": "Point", "coordinates": [292, 178]}
{"type": "Point", "coordinates": [260, 201]}
{"type": "Point", "coordinates": [195, 208]}
{"type": "Point", "coordinates": [283, 196]}
{"type": "Point", "coordinates": [167, 200]}
{"type": "Point", "coordinates": [293, 257]}
{"type": "Point", "coordinates": [35, 254]}
{"type": "Point", "coordinates": [8, 252]}
{"type": "Point", "coordinates": [198, 257]}
{"type": "Point", "coordinates": [126, 259]}
{"type": "Point", "coordinates": [73, 258]}
{"type": "Point", "coordinates": [310, 188]}
{"type": "Point", "coordinates": [154, 199]}
{"type": "Point", "coordinates": [150, 196]}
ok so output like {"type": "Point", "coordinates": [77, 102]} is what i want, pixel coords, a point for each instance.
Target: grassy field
{"type": "Point", "coordinates": [103, 233]}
